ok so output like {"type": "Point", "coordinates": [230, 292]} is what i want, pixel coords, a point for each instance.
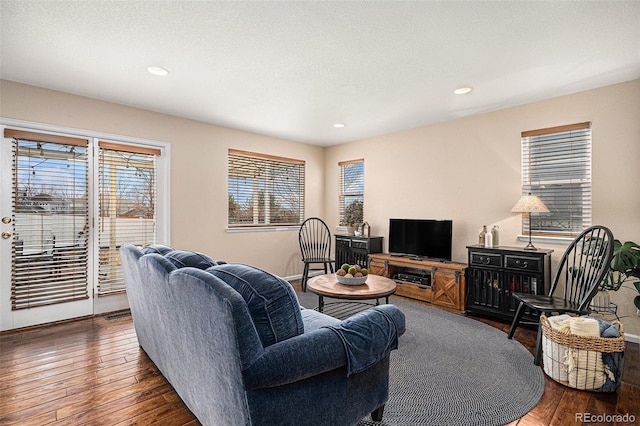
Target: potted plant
{"type": "Point", "coordinates": [353, 215]}
{"type": "Point", "coordinates": [625, 266]}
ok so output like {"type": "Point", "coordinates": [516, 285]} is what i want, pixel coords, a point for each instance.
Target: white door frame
{"type": "Point", "coordinates": [94, 305]}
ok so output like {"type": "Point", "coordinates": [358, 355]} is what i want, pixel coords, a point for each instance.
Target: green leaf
{"type": "Point", "coordinates": [626, 258]}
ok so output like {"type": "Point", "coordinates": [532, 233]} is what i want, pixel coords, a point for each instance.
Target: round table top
{"type": "Point", "coordinates": [375, 287]}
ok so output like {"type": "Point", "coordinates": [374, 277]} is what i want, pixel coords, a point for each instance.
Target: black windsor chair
{"type": "Point", "coordinates": [315, 246]}
{"type": "Point", "coordinates": [580, 272]}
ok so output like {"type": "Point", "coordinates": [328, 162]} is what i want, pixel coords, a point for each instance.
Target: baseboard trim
{"type": "Point", "coordinates": [299, 276]}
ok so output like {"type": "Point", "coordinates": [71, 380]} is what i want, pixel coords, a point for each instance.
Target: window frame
{"type": "Point", "coordinates": [540, 149]}
{"type": "Point", "coordinates": [261, 210]}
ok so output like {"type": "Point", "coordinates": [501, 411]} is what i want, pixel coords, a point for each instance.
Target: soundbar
{"type": "Point", "coordinates": [414, 278]}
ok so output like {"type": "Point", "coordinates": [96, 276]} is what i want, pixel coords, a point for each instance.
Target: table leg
{"type": "Point", "coordinates": [320, 303]}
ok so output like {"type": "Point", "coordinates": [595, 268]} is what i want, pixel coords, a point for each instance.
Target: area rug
{"type": "Point", "coordinates": [452, 370]}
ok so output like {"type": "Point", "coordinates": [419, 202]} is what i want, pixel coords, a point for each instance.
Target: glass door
{"type": "Point", "coordinates": [127, 214]}
{"type": "Point", "coordinates": [67, 205]}
{"type": "Point", "coordinates": [45, 229]}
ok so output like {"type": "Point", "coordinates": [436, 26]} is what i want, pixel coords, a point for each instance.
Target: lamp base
{"type": "Point", "coordinates": [530, 246]}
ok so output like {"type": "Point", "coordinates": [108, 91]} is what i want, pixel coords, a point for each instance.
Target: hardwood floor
{"type": "Point", "coordinates": [92, 372]}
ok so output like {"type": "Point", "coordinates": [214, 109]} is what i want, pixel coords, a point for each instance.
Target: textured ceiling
{"type": "Point", "coordinates": [293, 69]}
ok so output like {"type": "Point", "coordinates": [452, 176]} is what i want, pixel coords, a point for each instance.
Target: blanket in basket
{"type": "Point", "coordinates": [579, 368]}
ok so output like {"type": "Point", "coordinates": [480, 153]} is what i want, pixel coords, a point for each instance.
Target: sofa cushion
{"type": "Point", "coordinates": [272, 303]}
{"type": "Point", "coordinates": [183, 258]}
{"type": "Point", "coordinates": [314, 320]}
{"type": "Point", "coordinates": [156, 248]}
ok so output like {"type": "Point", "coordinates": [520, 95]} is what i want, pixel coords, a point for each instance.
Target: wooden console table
{"type": "Point", "coordinates": [440, 283]}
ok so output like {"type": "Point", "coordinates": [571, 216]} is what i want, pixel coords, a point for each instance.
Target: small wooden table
{"type": "Point", "coordinates": [327, 285]}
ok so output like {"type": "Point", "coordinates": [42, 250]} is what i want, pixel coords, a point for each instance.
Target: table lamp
{"type": "Point", "coordinates": [528, 204]}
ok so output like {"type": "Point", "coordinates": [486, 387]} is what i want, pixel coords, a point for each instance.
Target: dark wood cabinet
{"type": "Point", "coordinates": [356, 250]}
{"type": "Point", "coordinates": [495, 273]}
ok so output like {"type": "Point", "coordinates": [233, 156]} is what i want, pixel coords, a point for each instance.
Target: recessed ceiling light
{"type": "Point", "coordinates": [462, 90]}
{"type": "Point", "coordinates": [157, 70]}
{"type": "Point", "coordinates": [338, 125]}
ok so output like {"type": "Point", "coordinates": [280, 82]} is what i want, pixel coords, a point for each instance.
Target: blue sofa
{"type": "Point", "coordinates": [238, 349]}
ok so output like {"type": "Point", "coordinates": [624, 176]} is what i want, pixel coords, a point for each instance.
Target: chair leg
{"type": "Point", "coordinates": [376, 415]}
{"type": "Point", "coordinates": [516, 320]}
{"type": "Point", "coordinates": [538, 351]}
{"type": "Point", "coordinates": [331, 267]}
{"type": "Point", "coordinates": [305, 276]}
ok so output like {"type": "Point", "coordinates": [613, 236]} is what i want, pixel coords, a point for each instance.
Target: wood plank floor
{"type": "Point", "coordinates": [92, 372]}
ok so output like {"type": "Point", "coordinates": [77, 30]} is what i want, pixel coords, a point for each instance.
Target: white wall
{"type": "Point", "coordinates": [198, 170]}
{"type": "Point", "coordinates": [467, 170]}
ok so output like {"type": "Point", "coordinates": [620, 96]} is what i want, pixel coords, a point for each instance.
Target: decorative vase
{"type": "Point", "coordinates": [601, 301]}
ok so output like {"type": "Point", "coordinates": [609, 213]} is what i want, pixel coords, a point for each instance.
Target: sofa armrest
{"type": "Point", "coordinates": [295, 359]}
{"type": "Point", "coordinates": [314, 353]}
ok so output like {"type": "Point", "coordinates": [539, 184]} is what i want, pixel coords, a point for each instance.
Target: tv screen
{"type": "Point", "coordinates": [421, 238]}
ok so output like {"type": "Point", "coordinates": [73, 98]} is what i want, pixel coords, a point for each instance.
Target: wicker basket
{"type": "Point", "coordinates": [581, 362]}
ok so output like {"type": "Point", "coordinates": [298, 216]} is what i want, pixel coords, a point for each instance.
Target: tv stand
{"type": "Point", "coordinates": [447, 279]}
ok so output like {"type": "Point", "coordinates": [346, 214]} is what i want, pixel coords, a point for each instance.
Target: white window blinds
{"type": "Point", "coordinates": [556, 166]}
{"type": "Point", "coordinates": [264, 190]}
{"type": "Point", "coordinates": [351, 192]}
{"type": "Point", "coordinates": [50, 219]}
{"type": "Point", "coordinates": [127, 207]}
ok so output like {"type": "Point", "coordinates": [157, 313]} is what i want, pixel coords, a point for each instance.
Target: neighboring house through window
{"type": "Point", "coordinates": [556, 166]}
{"type": "Point", "coordinates": [351, 192]}
{"type": "Point", "coordinates": [265, 190]}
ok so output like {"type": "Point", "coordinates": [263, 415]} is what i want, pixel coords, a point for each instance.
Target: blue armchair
{"type": "Point", "coordinates": [239, 350]}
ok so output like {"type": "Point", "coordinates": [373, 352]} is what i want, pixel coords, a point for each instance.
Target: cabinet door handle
{"type": "Point", "coordinates": [486, 260]}
{"type": "Point", "coordinates": [522, 264]}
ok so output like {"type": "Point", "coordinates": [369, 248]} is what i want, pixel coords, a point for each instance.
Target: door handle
{"type": "Point", "coordinates": [6, 235]}
{"type": "Point", "coordinates": [6, 219]}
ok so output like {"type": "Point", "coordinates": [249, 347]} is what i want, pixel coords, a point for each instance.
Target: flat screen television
{"type": "Point", "coordinates": [422, 238]}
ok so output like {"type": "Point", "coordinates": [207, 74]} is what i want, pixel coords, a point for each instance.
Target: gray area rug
{"type": "Point", "coordinates": [452, 370]}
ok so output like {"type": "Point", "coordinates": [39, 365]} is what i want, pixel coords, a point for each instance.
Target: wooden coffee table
{"type": "Point", "coordinates": [376, 287]}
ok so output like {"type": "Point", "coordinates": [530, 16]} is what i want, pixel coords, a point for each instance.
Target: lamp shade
{"type": "Point", "coordinates": [528, 204]}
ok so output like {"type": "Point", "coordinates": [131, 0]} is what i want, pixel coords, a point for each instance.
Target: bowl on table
{"type": "Point", "coordinates": [351, 280]}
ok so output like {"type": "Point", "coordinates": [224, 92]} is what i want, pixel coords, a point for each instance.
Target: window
{"type": "Point", "coordinates": [351, 192]}
{"type": "Point", "coordinates": [556, 166]}
{"type": "Point", "coordinates": [127, 206]}
{"type": "Point", "coordinates": [265, 190]}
